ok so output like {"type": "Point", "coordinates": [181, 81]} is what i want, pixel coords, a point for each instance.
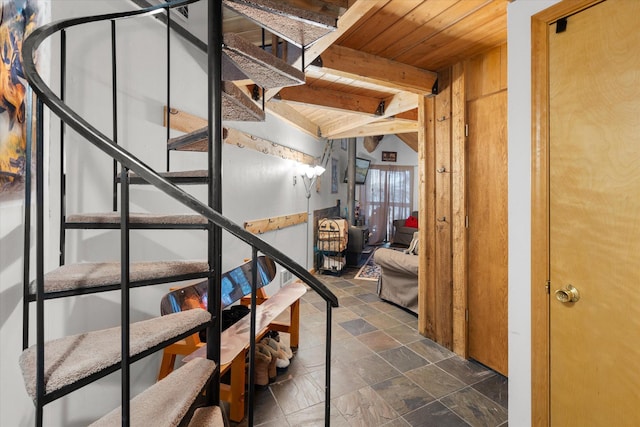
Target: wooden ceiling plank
{"type": "Point", "coordinates": [476, 41]}
{"type": "Point", "coordinates": [327, 98]}
{"type": "Point", "coordinates": [452, 18]}
{"type": "Point", "coordinates": [294, 118]}
{"type": "Point", "coordinates": [384, 44]}
{"type": "Point", "coordinates": [457, 28]}
{"type": "Point", "coordinates": [411, 139]}
{"type": "Point", "coordinates": [342, 61]}
{"type": "Point", "coordinates": [378, 23]}
{"type": "Point", "coordinates": [385, 127]}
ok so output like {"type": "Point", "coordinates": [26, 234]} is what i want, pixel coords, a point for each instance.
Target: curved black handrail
{"type": "Point", "coordinates": [128, 160]}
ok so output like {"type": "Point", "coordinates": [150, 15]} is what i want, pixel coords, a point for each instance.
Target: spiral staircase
{"type": "Point", "coordinates": [54, 368]}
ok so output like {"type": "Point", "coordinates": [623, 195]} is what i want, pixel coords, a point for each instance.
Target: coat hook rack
{"type": "Point", "coordinates": [442, 219]}
{"type": "Point", "coordinates": [441, 170]}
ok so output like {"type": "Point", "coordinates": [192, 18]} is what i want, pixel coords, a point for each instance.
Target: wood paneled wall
{"type": "Point", "coordinates": [435, 295]}
{"type": "Point", "coordinates": [442, 205]}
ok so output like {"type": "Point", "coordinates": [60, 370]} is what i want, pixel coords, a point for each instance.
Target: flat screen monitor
{"type": "Point", "coordinates": [362, 169]}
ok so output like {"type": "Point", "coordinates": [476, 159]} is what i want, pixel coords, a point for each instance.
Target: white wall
{"type": "Point", "coordinates": [255, 186]}
{"type": "Point", "coordinates": [519, 74]}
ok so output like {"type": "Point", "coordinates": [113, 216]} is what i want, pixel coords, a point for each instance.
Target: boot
{"type": "Point", "coordinates": [272, 370]}
{"type": "Point", "coordinates": [262, 360]}
{"type": "Point", "coordinates": [282, 361]}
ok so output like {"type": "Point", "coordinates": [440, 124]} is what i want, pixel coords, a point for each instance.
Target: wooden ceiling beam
{"type": "Point", "coordinates": [294, 118]}
{"type": "Point", "coordinates": [357, 65]}
{"type": "Point", "coordinates": [394, 105]}
{"type": "Point", "coordinates": [327, 98]}
{"type": "Point", "coordinates": [383, 127]}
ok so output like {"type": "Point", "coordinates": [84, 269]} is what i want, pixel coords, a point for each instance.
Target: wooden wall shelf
{"type": "Point", "coordinates": [260, 226]}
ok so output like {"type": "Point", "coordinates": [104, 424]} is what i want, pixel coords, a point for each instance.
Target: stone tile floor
{"type": "Point", "coordinates": [384, 373]}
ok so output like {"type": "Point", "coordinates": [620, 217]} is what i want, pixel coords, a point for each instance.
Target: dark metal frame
{"type": "Point", "coordinates": [212, 210]}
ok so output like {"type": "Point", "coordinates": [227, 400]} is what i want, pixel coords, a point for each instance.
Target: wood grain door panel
{"type": "Point", "coordinates": [594, 158]}
{"type": "Point", "coordinates": [487, 234]}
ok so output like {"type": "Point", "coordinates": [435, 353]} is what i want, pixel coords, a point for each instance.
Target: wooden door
{"type": "Point", "coordinates": [487, 234]}
{"type": "Point", "coordinates": [594, 216]}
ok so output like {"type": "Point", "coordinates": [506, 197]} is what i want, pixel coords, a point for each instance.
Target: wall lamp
{"type": "Point", "coordinates": [309, 175]}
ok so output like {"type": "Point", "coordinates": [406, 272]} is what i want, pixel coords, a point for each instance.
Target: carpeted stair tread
{"type": "Point", "coordinates": [264, 69]}
{"type": "Point", "coordinates": [167, 402]}
{"type": "Point", "coordinates": [210, 416]}
{"type": "Point", "coordinates": [200, 176]}
{"type": "Point", "coordinates": [73, 358]}
{"type": "Point", "coordinates": [89, 275]}
{"type": "Point", "coordinates": [137, 219]}
{"type": "Point", "coordinates": [236, 106]}
{"type": "Point", "coordinates": [299, 26]}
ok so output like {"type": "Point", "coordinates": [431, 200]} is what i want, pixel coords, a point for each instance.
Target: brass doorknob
{"type": "Point", "coordinates": [569, 294]}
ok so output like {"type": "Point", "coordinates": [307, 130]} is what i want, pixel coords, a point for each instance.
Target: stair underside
{"type": "Point", "coordinates": [91, 355]}
{"type": "Point", "coordinates": [197, 140]}
{"type": "Point", "coordinates": [236, 106]}
{"type": "Point", "coordinates": [168, 401]}
{"type": "Point", "coordinates": [111, 220]}
{"type": "Point", "coordinates": [180, 177]}
{"type": "Point", "coordinates": [74, 279]}
{"type": "Point", "coordinates": [299, 26]}
{"type": "Point", "coordinates": [207, 417]}
{"type": "Point", "coordinates": [264, 69]}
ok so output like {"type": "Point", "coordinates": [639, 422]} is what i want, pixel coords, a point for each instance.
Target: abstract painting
{"type": "Point", "coordinates": [17, 19]}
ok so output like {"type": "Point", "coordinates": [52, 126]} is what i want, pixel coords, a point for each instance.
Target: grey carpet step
{"type": "Point", "coordinates": [72, 359]}
{"type": "Point", "coordinates": [167, 402]}
{"type": "Point", "coordinates": [180, 177]}
{"type": "Point", "coordinates": [210, 416]}
{"type": "Point", "coordinates": [299, 26]}
{"type": "Point", "coordinates": [136, 220]}
{"type": "Point", "coordinates": [264, 69]}
{"type": "Point", "coordinates": [102, 276]}
{"type": "Point", "coordinates": [236, 106]}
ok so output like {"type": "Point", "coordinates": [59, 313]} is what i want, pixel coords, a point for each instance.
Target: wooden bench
{"type": "Point", "coordinates": [235, 342]}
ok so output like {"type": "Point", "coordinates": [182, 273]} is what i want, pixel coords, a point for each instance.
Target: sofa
{"type": "Point", "coordinates": [403, 233]}
{"type": "Point", "coordinates": [398, 282]}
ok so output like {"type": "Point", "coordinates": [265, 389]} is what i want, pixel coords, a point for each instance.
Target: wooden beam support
{"type": "Point", "coordinates": [426, 216]}
{"type": "Point", "coordinates": [185, 122]}
{"type": "Point", "coordinates": [259, 226]}
{"type": "Point", "coordinates": [443, 228]}
{"type": "Point", "coordinates": [355, 125]}
{"type": "Point", "coordinates": [458, 203]}
{"type": "Point", "coordinates": [328, 98]}
{"type": "Point", "coordinates": [349, 63]}
{"type": "Point", "coordinates": [244, 140]}
{"type": "Point", "coordinates": [382, 127]}
{"type": "Point", "coordinates": [294, 118]}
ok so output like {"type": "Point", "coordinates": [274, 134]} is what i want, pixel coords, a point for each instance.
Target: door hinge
{"type": "Point", "coordinates": [466, 315]}
{"type": "Point", "coordinates": [547, 287]}
{"type": "Point", "coordinates": [466, 221]}
{"type": "Point", "coordinates": [466, 129]}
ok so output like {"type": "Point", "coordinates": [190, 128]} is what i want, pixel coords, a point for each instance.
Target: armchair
{"type": "Point", "coordinates": [403, 234]}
